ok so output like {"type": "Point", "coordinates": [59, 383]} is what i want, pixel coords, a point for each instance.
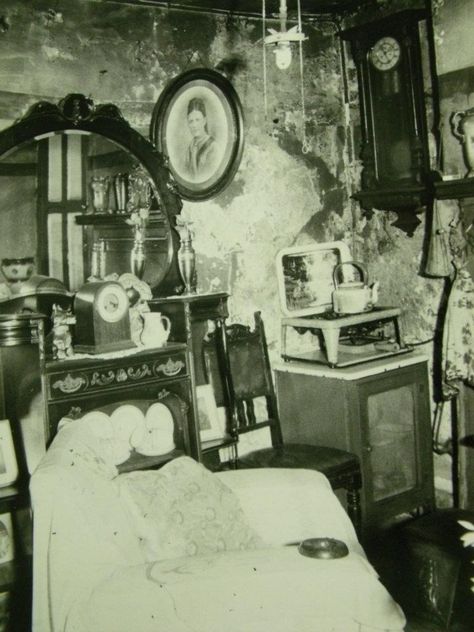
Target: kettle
{"type": "Point", "coordinates": [353, 297]}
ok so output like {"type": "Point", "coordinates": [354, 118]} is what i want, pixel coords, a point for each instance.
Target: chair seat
{"type": "Point", "coordinates": [331, 462]}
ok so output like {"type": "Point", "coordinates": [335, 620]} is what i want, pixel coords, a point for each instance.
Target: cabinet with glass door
{"type": "Point", "coordinates": [380, 411]}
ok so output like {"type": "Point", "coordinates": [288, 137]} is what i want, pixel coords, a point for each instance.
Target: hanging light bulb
{"type": "Point", "coordinates": [282, 52]}
{"type": "Point", "coordinates": [281, 40]}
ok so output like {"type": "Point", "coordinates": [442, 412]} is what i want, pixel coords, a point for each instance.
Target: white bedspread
{"type": "Point", "coordinates": [92, 572]}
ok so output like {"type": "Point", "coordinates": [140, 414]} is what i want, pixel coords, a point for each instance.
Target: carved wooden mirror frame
{"type": "Point", "coordinates": [78, 113]}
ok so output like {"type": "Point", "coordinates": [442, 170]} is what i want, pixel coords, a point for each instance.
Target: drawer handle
{"type": "Point", "coordinates": [171, 368]}
{"type": "Point", "coordinates": [369, 449]}
{"type": "Point", "coordinates": [70, 384]}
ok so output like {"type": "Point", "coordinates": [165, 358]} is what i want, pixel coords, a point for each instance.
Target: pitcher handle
{"type": "Point", "coordinates": [362, 269]}
{"type": "Point", "coordinates": [456, 120]}
{"type": "Point", "coordinates": [167, 321]}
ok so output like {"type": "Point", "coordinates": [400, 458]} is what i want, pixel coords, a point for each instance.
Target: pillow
{"type": "Point", "coordinates": [184, 510]}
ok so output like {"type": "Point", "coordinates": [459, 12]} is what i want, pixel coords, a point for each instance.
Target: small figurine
{"type": "Point", "coordinates": [62, 339]}
{"type": "Point", "coordinates": [139, 293]}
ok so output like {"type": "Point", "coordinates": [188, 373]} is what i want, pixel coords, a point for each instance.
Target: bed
{"type": "Point", "coordinates": [181, 549]}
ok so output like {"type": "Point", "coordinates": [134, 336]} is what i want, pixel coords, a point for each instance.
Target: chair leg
{"type": "Point", "coordinates": [354, 509]}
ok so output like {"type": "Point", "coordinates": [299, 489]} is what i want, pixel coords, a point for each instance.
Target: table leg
{"type": "Point", "coordinates": [331, 340]}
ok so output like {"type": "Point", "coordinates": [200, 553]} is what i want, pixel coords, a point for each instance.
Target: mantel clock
{"type": "Point", "coordinates": [102, 318]}
{"type": "Point", "coordinates": [387, 54]}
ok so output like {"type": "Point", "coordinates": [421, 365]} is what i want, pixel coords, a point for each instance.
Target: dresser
{"type": "Point", "coordinates": [74, 386]}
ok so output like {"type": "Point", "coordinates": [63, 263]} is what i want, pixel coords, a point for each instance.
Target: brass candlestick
{"type": "Point", "coordinates": [186, 255]}
{"type": "Point", "coordinates": [138, 205]}
{"type": "Point", "coordinates": [137, 254]}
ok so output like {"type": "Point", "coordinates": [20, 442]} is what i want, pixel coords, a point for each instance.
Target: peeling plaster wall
{"type": "Point", "coordinates": [280, 196]}
{"type": "Point", "coordinates": [126, 54]}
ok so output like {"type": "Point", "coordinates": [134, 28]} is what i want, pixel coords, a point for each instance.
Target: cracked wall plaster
{"type": "Point", "coordinates": [280, 196]}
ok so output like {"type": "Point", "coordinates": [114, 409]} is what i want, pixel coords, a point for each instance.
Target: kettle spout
{"type": "Point", "coordinates": [375, 292]}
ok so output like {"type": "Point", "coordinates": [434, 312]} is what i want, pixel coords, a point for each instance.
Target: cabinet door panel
{"type": "Point", "coordinates": [391, 439]}
{"type": "Point", "coordinates": [396, 430]}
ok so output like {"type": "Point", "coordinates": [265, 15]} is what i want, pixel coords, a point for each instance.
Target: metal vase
{"type": "Point", "coordinates": [187, 264]}
{"type": "Point", "coordinates": [100, 193]}
{"type": "Point", "coordinates": [137, 256]}
{"type": "Point", "coordinates": [120, 181]}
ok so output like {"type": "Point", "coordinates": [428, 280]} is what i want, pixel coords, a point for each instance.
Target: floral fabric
{"type": "Point", "coordinates": [185, 510]}
{"type": "Point", "coordinates": [458, 338]}
{"type": "Point", "coordinates": [458, 333]}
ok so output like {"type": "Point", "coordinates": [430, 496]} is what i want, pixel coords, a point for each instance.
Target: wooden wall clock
{"type": "Point", "coordinates": [102, 318]}
{"type": "Point", "coordinates": [394, 151]}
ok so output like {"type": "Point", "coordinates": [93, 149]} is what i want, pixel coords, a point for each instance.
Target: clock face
{"type": "Point", "coordinates": [111, 302]}
{"type": "Point", "coordinates": [385, 53]}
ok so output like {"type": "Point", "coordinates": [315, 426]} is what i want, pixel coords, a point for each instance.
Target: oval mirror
{"type": "Point", "coordinates": [72, 178]}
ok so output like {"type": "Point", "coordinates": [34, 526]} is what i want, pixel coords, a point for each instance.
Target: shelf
{"type": "Point", "coordinates": [82, 360]}
{"type": "Point", "coordinates": [394, 199]}
{"type": "Point", "coordinates": [112, 219]}
{"type": "Point", "coordinates": [189, 298]}
{"type": "Point", "coordinates": [138, 461]}
{"type": "Point", "coordinates": [454, 189]}
{"type": "Point", "coordinates": [345, 358]}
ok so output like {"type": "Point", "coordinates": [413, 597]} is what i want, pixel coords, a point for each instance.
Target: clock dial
{"type": "Point", "coordinates": [385, 53]}
{"type": "Point", "coordinates": [112, 303]}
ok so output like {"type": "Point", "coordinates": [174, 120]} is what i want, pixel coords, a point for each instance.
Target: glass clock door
{"type": "Point", "coordinates": [392, 125]}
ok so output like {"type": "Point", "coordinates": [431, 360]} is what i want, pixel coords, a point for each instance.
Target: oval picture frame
{"type": "Point", "coordinates": [197, 123]}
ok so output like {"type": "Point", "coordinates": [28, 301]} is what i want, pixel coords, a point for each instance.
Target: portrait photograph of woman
{"type": "Point", "coordinates": [197, 123]}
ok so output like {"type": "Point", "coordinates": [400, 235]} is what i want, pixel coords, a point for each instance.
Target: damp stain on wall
{"type": "Point", "coordinates": [299, 165]}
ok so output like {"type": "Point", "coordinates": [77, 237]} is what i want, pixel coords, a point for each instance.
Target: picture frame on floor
{"type": "Point", "coordinates": [210, 426]}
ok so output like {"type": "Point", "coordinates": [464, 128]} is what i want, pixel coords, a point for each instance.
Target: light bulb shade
{"type": "Point", "coordinates": [283, 55]}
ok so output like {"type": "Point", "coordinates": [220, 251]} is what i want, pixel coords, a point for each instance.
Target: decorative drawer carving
{"type": "Point", "coordinates": [126, 371]}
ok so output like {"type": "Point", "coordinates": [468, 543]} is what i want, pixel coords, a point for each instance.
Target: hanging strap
{"type": "Point", "coordinates": [265, 101]}
{"type": "Point", "coordinates": [306, 146]}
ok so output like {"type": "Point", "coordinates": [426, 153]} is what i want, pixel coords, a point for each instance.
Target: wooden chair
{"type": "Point", "coordinates": [251, 379]}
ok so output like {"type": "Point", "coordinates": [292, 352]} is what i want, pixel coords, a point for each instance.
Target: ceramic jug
{"type": "Point", "coordinates": [156, 329]}
{"type": "Point", "coordinates": [353, 297]}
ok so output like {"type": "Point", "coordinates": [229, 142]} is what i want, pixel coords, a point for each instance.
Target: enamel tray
{"type": "Point", "coordinates": [305, 277]}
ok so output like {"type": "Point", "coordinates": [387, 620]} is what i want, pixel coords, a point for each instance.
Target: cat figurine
{"type": "Point", "coordinates": [62, 339]}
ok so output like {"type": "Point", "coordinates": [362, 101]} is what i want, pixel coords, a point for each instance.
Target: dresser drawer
{"type": "Point", "coordinates": [101, 376]}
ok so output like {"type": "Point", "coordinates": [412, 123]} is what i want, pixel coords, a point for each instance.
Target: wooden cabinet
{"type": "Point", "coordinates": [72, 387]}
{"type": "Point", "coordinates": [380, 411]}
